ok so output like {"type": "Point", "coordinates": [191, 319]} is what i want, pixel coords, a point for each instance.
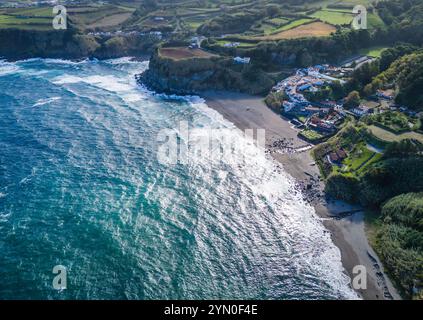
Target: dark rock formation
{"type": "Point", "coordinates": [193, 75]}
{"type": "Point", "coordinates": [18, 44]}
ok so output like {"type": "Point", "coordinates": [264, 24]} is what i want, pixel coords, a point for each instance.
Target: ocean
{"type": "Point", "coordinates": [82, 186]}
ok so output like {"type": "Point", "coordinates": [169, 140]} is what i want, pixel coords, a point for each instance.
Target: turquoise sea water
{"type": "Point", "coordinates": [81, 186]}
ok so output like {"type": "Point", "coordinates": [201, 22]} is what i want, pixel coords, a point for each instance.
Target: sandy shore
{"type": "Point", "coordinates": [344, 221]}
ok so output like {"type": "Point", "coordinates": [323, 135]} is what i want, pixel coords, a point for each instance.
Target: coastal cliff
{"type": "Point", "coordinates": [16, 44]}
{"type": "Point", "coordinates": [193, 75]}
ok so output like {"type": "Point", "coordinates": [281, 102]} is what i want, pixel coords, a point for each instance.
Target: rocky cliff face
{"type": "Point", "coordinates": [18, 44]}
{"type": "Point", "coordinates": [193, 75]}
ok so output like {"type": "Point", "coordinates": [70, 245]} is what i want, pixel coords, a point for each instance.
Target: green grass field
{"type": "Point", "coordinates": [374, 52]}
{"type": "Point", "coordinates": [270, 26]}
{"type": "Point", "coordinates": [333, 17]}
{"type": "Point", "coordinates": [184, 15]}
{"type": "Point", "coordinates": [293, 24]}
{"type": "Point", "coordinates": [84, 16]}
{"type": "Point", "coordinates": [374, 21]}
{"type": "Point", "coordinates": [311, 135]}
{"type": "Point", "coordinates": [357, 157]}
{"type": "Point", "coordinates": [388, 136]}
{"type": "Point", "coordinates": [20, 22]}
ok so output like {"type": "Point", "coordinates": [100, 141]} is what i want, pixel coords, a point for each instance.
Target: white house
{"type": "Point", "coordinates": [360, 111]}
{"type": "Point", "coordinates": [245, 60]}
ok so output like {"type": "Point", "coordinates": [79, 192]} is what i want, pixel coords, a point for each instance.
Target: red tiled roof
{"type": "Point", "coordinates": [334, 157]}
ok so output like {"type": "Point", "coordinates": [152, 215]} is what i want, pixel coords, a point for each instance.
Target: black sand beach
{"type": "Point", "coordinates": [344, 221]}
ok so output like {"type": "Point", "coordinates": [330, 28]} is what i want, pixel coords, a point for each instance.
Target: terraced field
{"type": "Point", "coordinates": [314, 29]}
{"type": "Point", "coordinates": [7, 21]}
{"type": "Point", "coordinates": [91, 17]}
{"type": "Point", "coordinates": [86, 17]}
{"type": "Point", "coordinates": [186, 16]}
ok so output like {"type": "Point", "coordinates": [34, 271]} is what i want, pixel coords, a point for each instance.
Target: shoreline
{"type": "Point", "coordinates": [345, 222]}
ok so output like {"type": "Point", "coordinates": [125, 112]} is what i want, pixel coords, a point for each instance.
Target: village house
{"type": "Point", "coordinates": [385, 94]}
{"type": "Point", "coordinates": [337, 156]}
{"type": "Point", "coordinates": [231, 44]}
{"type": "Point", "coordinates": [240, 60]}
{"type": "Point", "coordinates": [360, 111]}
{"type": "Point", "coordinates": [320, 125]}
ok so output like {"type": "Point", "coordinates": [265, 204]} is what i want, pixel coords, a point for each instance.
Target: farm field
{"type": "Point", "coordinates": [314, 29]}
{"type": "Point", "coordinates": [293, 24]}
{"type": "Point", "coordinates": [85, 17]}
{"type": "Point", "coordinates": [334, 17]}
{"type": "Point", "coordinates": [390, 137]}
{"type": "Point", "coordinates": [395, 121]}
{"type": "Point", "coordinates": [272, 25]}
{"type": "Point", "coordinates": [97, 17]}
{"type": "Point", "coordinates": [7, 21]}
{"type": "Point", "coordinates": [374, 52]}
{"type": "Point", "coordinates": [178, 53]}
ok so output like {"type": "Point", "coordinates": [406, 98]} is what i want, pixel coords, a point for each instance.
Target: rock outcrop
{"type": "Point", "coordinates": [18, 44]}
{"type": "Point", "coordinates": [193, 75]}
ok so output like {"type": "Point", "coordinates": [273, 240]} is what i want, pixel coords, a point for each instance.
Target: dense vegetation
{"type": "Point", "coordinates": [399, 68]}
{"type": "Point", "coordinates": [406, 75]}
{"type": "Point", "coordinates": [400, 239]}
{"type": "Point", "coordinates": [405, 209]}
{"type": "Point", "coordinates": [395, 185]}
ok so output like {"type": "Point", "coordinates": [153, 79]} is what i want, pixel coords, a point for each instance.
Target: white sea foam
{"type": "Point", "coordinates": [312, 247]}
{"type": "Point", "coordinates": [109, 82]}
{"type": "Point", "coordinates": [53, 61]}
{"type": "Point", "coordinates": [267, 180]}
{"type": "Point", "coordinates": [7, 68]}
{"type": "Point", "coordinates": [42, 102]}
{"type": "Point", "coordinates": [256, 198]}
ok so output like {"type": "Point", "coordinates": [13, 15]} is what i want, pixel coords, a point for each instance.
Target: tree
{"type": "Point", "coordinates": [338, 90]}
{"type": "Point", "coordinates": [342, 187]}
{"type": "Point", "coordinates": [353, 100]}
{"type": "Point", "coordinates": [273, 10]}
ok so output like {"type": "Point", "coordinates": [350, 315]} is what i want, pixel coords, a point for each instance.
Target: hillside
{"type": "Point", "coordinates": [406, 76]}
{"type": "Point", "coordinates": [182, 71]}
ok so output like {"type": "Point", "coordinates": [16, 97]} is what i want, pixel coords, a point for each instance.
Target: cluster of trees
{"type": "Point", "coordinates": [274, 100]}
{"type": "Point", "coordinates": [404, 19]}
{"type": "Point", "coordinates": [400, 239]}
{"type": "Point", "coordinates": [400, 248]}
{"type": "Point", "coordinates": [399, 68]}
{"type": "Point", "coordinates": [406, 76]}
{"type": "Point", "coordinates": [405, 209]}
{"type": "Point", "coordinates": [391, 54]}
{"type": "Point", "coordinates": [352, 100]}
